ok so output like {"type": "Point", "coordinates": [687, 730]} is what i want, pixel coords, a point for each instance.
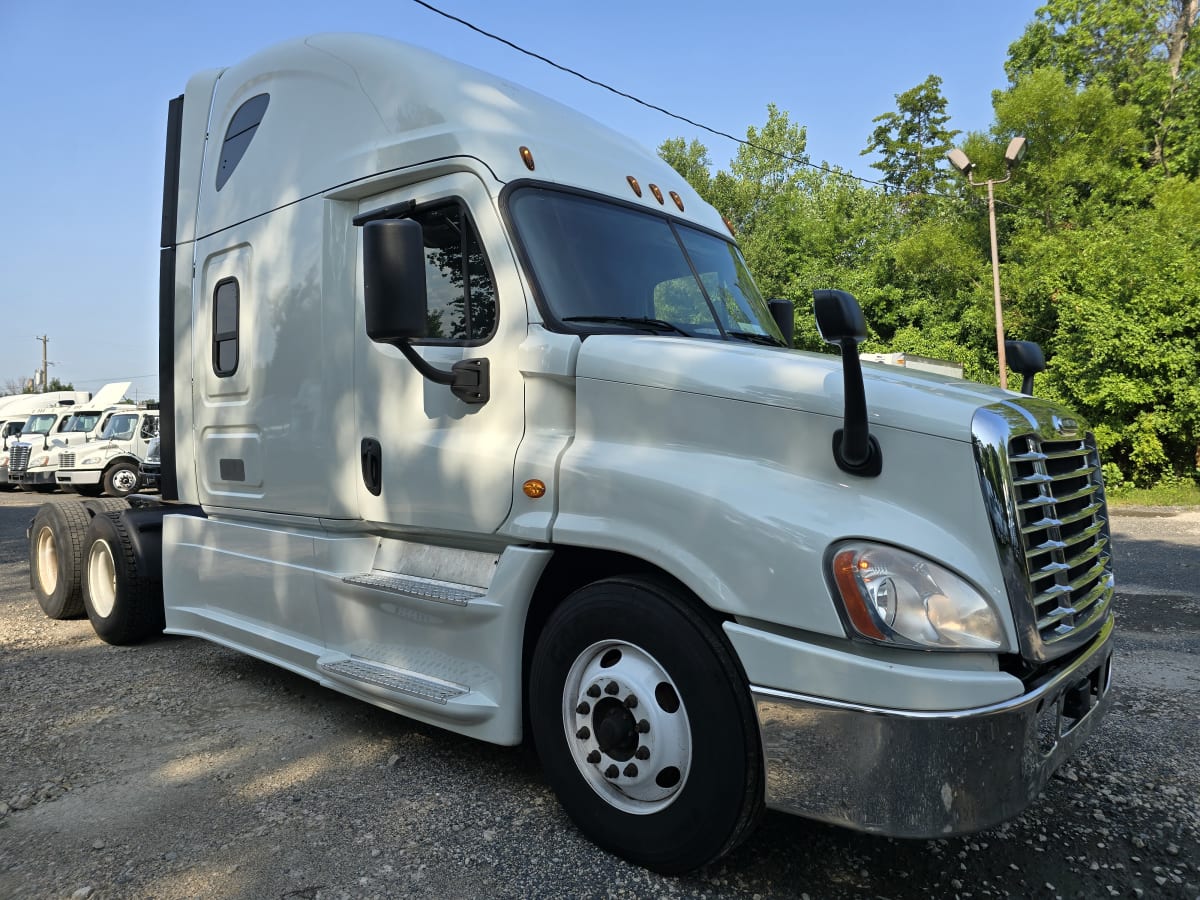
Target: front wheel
{"type": "Point", "coordinates": [121, 479]}
{"type": "Point", "coordinates": [644, 725]}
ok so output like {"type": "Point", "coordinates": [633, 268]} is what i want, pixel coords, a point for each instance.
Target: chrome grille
{"type": "Point", "coordinates": [18, 459]}
{"type": "Point", "coordinates": [1045, 495]}
{"type": "Point", "coordinates": [66, 460]}
{"type": "Point", "coordinates": [1062, 520]}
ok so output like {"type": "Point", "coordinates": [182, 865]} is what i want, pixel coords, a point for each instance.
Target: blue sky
{"type": "Point", "coordinates": [84, 90]}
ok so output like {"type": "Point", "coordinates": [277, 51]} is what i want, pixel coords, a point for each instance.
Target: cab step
{"type": "Point", "coordinates": [379, 679]}
{"type": "Point", "coordinates": [419, 588]}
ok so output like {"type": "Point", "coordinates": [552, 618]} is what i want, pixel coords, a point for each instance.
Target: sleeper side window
{"type": "Point", "coordinates": [462, 295]}
{"type": "Point", "coordinates": [225, 327]}
{"type": "Point", "coordinates": [238, 135]}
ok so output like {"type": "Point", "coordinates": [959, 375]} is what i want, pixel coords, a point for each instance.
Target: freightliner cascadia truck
{"type": "Point", "coordinates": [472, 410]}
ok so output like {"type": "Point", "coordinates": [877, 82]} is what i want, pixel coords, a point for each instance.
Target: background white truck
{"type": "Point", "coordinates": [110, 464]}
{"type": "Point", "coordinates": [471, 410]}
{"type": "Point", "coordinates": [33, 458]}
{"type": "Point", "coordinates": [14, 413]}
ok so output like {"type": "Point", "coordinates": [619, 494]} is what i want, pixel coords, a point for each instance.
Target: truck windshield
{"type": "Point", "coordinates": [81, 422]}
{"type": "Point", "coordinates": [39, 424]}
{"type": "Point", "coordinates": [602, 266]}
{"type": "Point", "coordinates": [119, 428]}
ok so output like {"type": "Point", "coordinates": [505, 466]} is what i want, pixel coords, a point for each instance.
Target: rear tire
{"type": "Point", "coordinates": [55, 558]}
{"type": "Point", "coordinates": [124, 605]}
{"type": "Point", "coordinates": [644, 725]}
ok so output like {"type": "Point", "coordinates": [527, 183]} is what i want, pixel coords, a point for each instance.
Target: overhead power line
{"type": "Point", "coordinates": [666, 112]}
{"type": "Point", "coordinates": [841, 173]}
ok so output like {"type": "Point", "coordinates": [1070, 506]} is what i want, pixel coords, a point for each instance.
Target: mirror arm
{"type": "Point", "coordinates": [469, 379]}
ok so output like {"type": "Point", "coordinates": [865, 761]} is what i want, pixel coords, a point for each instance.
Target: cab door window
{"type": "Point", "coordinates": [458, 281]}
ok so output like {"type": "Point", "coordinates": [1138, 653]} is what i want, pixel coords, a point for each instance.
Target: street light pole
{"type": "Point", "coordinates": [991, 186]}
{"type": "Point", "coordinates": [1012, 156]}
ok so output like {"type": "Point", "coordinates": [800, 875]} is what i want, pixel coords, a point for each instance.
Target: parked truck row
{"type": "Point", "coordinates": [75, 442]}
{"type": "Point", "coordinates": [472, 410]}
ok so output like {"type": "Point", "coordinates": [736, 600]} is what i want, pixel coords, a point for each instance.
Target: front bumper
{"type": "Point", "coordinates": [42, 476]}
{"type": "Point", "coordinates": [924, 775]}
{"type": "Point", "coordinates": [79, 476]}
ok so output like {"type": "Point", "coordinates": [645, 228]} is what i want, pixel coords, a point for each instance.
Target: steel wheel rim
{"type": "Point", "coordinates": [124, 481]}
{"type": "Point", "coordinates": [626, 727]}
{"type": "Point", "coordinates": [47, 558]}
{"type": "Point", "coordinates": [102, 579]}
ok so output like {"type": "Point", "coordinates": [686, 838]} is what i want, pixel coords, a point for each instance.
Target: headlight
{"type": "Point", "coordinates": [896, 597]}
{"type": "Point", "coordinates": [39, 461]}
{"type": "Point", "coordinates": [92, 460]}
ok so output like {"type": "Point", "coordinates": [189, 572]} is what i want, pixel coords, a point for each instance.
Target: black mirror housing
{"type": "Point", "coordinates": [784, 315]}
{"type": "Point", "coordinates": [394, 280]}
{"type": "Point", "coordinates": [1026, 359]}
{"type": "Point", "coordinates": [839, 317]}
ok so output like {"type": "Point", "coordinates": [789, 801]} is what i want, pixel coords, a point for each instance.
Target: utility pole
{"type": "Point", "coordinates": [45, 339]}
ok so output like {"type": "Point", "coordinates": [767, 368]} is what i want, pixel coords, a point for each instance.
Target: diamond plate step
{"type": "Point", "coordinates": [401, 681]}
{"type": "Point", "coordinates": [422, 588]}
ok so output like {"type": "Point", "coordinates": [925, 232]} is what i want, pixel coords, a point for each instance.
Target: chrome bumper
{"type": "Point", "coordinates": [923, 775]}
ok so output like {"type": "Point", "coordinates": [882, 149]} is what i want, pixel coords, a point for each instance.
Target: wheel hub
{"type": "Point", "coordinates": [634, 752]}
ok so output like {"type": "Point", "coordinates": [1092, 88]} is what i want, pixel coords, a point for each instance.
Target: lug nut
{"type": "Point", "coordinates": [594, 691]}
{"type": "Point", "coordinates": [631, 702]}
{"type": "Point", "coordinates": [631, 771]}
{"type": "Point", "coordinates": [611, 772]}
{"type": "Point", "coordinates": [642, 752]}
{"type": "Point", "coordinates": [594, 757]}
{"type": "Point", "coordinates": [583, 708]}
{"type": "Point", "coordinates": [643, 726]}
{"type": "Point", "coordinates": [612, 688]}
{"type": "Point", "coordinates": [583, 733]}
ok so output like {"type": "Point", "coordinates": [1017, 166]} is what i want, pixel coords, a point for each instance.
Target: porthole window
{"type": "Point", "coordinates": [225, 328]}
{"type": "Point", "coordinates": [238, 135]}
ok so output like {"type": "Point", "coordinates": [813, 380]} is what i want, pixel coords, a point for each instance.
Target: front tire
{"type": "Point", "coordinates": [121, 480]}
{"type": "Point", "coordinates": [55, 549]}
{"type": "Point", "coordinates": [124, 605]}
{"type": "Point", "coordinates": [644, 725]}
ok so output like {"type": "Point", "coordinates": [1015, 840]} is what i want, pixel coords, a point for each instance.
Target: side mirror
{"type": "Point", "coordinates": [840, 321]}
{"type": "Point", "coordinates": [1026, 359]}
{"type": "Point", "coordinates": [397, 306]}
{"type": "Point", "coordinates": [394, 280]}
{"type": "Point", "coordinates": [784, 315]}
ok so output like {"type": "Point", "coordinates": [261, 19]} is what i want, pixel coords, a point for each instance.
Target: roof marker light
{"type": "Point", "coordinates": [678, 200]}
{"type": "Point", "coordinates": [657, 194]}
{"type": "Point", "coordinates": [633, 183]}
{"type": "Point", "coordinates": [527, 158]}
{"type": "Point", "coordinates": [729, 225]}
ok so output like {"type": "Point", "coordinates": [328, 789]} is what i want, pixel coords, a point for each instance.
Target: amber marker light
{"type": "Point", "coordinates": [729, 225]}
{"type": "Point", "coordinates": [657, 193]}
{"type": "Point", "coordinates": [527, 158]}
{"type": "Point", "coordinates": [633, 183]}
{"type": "Point", "coordinates": [534, 488]}
{"type": "Point", "coordinates": [845, 574]}
{"type": "Point", "coordinates": [678, 200]}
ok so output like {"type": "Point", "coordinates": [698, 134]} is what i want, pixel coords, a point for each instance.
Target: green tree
{"type": "Point", "coordinates": [913, 140]}
{"type": "Point", "coordinates": [1142, 50]}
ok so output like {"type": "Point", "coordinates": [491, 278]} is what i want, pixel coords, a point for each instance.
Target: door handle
{"type": "Point", "coordinates": [372, 465]}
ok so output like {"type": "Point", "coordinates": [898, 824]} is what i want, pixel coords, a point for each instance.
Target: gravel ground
{"type": "Point", "coordinates": [182, 769]}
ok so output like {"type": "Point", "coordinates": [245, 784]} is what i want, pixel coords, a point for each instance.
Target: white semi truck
{"type": "Point", "coordinates": [472, 410]}
{"type": "Point", "coordinates": [14, 413]}
{"type": "Point", "coordinates": [111, 464]}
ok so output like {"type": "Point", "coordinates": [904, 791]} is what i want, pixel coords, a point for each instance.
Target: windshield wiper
{"type": "Point", "coordinates": [755, 338]}
{"type": "Point", "coordinates": [655, 325]}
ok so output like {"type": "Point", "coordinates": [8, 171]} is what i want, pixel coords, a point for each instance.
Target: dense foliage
{"type": "Point", "coordinates": [1099, 228]}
